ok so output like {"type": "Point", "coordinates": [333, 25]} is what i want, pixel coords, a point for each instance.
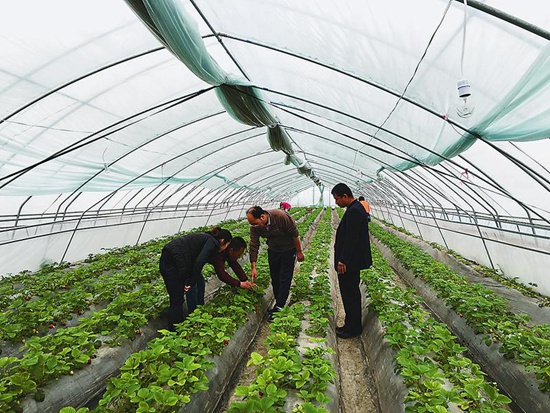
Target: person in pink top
{"type": "Point", "coordinates": [285, 206]}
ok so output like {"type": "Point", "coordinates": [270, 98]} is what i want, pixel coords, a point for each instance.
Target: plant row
{"type": "Point", "coordinates": [164, 377]}
{"type": "Point", "coordinates": [61, 351]}
{"type": "Point", "coordinates": [484, 311]}
{"type": "Point", "coordinates": [433, 365]}
{"type": "Point", "coordinates": [436, 372]}
{"type": "Point", "coordinates": [294, 377]}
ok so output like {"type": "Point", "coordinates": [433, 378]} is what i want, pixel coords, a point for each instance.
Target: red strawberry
{"type": "Point", "coordinates": [225, 342]}
{"type": "Point", "coordinates": [79, 312]}
{"type": "Point", "coordinates": [27, 298]}
{"type": "Point", "coordinates": [51, 326]}
{"type": "Point", "coordinates": [89, 361]}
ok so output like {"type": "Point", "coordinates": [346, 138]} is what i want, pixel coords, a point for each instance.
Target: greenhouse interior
{"type": "Point", "coordinates": [129, 124]}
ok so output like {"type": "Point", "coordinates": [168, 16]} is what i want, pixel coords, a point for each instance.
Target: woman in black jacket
{"type": "Point", "coordinates": [181, 264]}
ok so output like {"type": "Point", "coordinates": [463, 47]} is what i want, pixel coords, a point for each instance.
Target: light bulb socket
{"type": "Point", "coordinates": [464, 88]}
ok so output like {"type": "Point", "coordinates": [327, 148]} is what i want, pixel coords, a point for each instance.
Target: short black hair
{"type": "Point", "coordinates": [361, 198]}
{"type": "Point", "coordinates": [237, 243]}
{"type": "Point", "coordinates": [256, 211]}
{"type": "Point", "coordinates": [341, 190]}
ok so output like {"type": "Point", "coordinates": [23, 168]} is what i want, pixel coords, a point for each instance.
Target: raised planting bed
{"type": "Point", "coordinates": [180, 370]}
{"type": "Point", "coordinates": [88, 349]}
{"type": "Point", "coordinates": [509, 347]}
{"type": "Point", "coordinates": [417, 364]}
{"type": "Point", "coordinates": [297, 374]}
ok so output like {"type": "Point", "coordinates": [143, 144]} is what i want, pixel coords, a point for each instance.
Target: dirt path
{"type": "Point", "coordinates": [244, 375]}
{"type": "Point", "coordinates": [357, 389]}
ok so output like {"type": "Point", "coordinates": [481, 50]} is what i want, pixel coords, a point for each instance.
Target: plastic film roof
{"type": "Point", "coordinates": [149, 104]}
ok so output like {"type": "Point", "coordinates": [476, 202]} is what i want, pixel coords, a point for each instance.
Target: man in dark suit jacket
{"type": "Point", "coordinates": [351, 255]}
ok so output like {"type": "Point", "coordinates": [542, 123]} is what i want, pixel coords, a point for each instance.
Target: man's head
{"type": "Point", "coordinates": [342, 195]}
{"type": "Point", "coordinates": [257, 217]}
{"type": "Point", "coordinates": [361, 198]}
{"type": "Point", "coordinates": [236, 248]}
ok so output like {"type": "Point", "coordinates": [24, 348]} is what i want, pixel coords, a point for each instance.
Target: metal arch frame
{"type": "Point", "coordinates": [373, 125]}
{"type": "Point", "coordinates": [207, 154]}
{"type": "Point", "coordinates": [442, 195]}
{"type": "Point", "coordinates": [218, 191]}
{"type": "Point", "coordinates": [350, 75]}
{"type": "Point", "coordinates": [469, 162]}
{"type": "Point", "coordinates": [485, 178]}
{"type": "Point", "coordinates": [139, 176]}
{"type": "Point", "coordinates": [388, 192]}
{"type": "Point", "coordinates": [75, 229]}
{"type": "Point", "coordinates": [419, 185]}
{"type": "Point", "coordinates": [90, 139]}
{"type": "Point", "coordinates": [135, 149]}
{"type": "Point", "coordinates": [474, 220]}
{"type": "Point", "coordinates": [523, 167]}
{"type": "Point", "coordinates": [472, 3]}
{"type": "Point", "coordinates": [492, 11]}
{"type": "Point", "coordinates": [78, 79]}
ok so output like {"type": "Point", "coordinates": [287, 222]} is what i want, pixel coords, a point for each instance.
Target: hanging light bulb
{"type": "Point", "coordinates": [465, 108]}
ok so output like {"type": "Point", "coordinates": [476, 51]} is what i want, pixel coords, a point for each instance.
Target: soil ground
{"type": "Point", "coordinates": [357, 389]}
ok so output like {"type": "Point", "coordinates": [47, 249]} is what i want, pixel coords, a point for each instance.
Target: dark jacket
{"type": "Point", "coordinates": [352, 246]}
{"type": "Point", "coordinates": [218, 261]}
{"type": "Point", "coordinates": [190, 253]}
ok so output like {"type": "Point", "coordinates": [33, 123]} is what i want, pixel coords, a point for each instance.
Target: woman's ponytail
{"type": "Point", "coordinates": [220, 233]}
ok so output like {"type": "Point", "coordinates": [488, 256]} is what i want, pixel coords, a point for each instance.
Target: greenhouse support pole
{"type": "Point", "coordinates": [19, 212]}
{"type": "Point", "coordinates": [209, 216]}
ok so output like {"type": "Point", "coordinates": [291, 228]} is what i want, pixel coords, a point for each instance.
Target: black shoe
{"type": "Point", "coordinates": [271, 312]}
{"type": "Point", "coordinates": [346, 335]}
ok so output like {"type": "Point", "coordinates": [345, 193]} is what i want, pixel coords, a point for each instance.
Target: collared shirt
{"type": "Point", "coordinates": [218, 261]}
{"type": "Point", "coordinates": [279, 232]}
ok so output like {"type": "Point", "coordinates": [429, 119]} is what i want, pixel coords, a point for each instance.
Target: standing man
{"type": "Point", "coordinates": [351, 255]}
{"type": "Point", "coordinates": [283, 248]}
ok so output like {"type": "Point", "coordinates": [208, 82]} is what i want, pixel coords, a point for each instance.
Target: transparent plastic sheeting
{"type": "Point", "coordinates": [153, 108]}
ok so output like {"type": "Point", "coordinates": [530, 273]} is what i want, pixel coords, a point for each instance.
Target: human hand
{"type": "Point", "coordinates": [253, 274]}
{"type": "Point", "coordinates": [247, 285]}
{"type": "Point", "coordinates": [341, 268]}
{"type": "Point", "coordinates": [300, 256]}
